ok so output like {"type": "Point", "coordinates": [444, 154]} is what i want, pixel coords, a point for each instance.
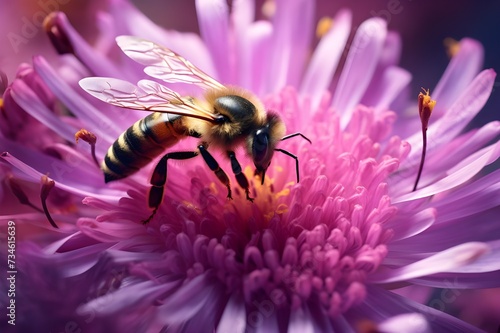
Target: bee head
{"type": "Point", "coordinates": [263, 143]}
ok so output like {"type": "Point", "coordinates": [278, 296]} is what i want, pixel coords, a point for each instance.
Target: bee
{"type": "Point", "coordinates": [225, 118]}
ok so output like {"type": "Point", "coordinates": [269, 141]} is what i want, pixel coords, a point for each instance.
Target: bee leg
{"type": "Point", "coordinates": [214, 166]}
{"type": "Point", "coordinates": [159, 178]}
{"type": "Point", "coordinates": [239, 175]}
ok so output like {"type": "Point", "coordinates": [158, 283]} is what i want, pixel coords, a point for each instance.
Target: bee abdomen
{"type": "Point", "coordinates": [140, 143]}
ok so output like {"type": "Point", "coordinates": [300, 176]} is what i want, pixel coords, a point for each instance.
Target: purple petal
{"type": "Point", "coordinates": [461, 173]}
{"type": "Point", "coordinates": [461, 281]}
{"type": "Point", "coordinates": [359, 67]}
{"type": "Point", "coordinates": [100, 124]}
{"type": "Point", "coordinates": [234, 316]}
{"type": "Point", "coordinates": [390, 85]}
{"type": "Point", "coordinates": [463, 110]}
{"type": "Point", "coordinates": [409, 322]}
{"type": "Point", "coordinates": [461, 70]}
{"type": "Point", "coordinates": [382, 304]}
{"type": "Point", "coordinates": [126, 298]}
{"type": "Point", "coordinates": [444, 261]}
{"type": "Point", "coordinates": [408, 226]}
{"type": "Point", "coordinates": [29, 101]}
{"type": "Point", "coordinates": [189, 300]}
{"type": "Point", "coordinates": [326, 57]}
{"type": "Point", "coordinates": [98, 63]}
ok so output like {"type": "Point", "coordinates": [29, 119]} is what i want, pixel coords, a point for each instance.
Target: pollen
{"type": "Point", "coordinates": [324, 25]}
{"type": "Point", "coordinates": [452, 46]}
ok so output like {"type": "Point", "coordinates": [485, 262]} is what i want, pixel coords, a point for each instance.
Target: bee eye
{"type": "Point", "coordinates": [260, 147]}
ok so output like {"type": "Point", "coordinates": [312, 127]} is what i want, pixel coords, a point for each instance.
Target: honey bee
{"type": "Point", "coordinates": [225, 118]}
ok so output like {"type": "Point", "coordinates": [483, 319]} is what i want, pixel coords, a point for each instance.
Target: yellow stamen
{"type": "Point", "coordinates": [324, 25]}
{"type": "Point", "coordinates": [452, 46]}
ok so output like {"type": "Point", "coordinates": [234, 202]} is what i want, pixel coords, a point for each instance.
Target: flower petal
{"type": "Point", "coordinates": [326, 57]}
{"type": "Point", "coordinates": [100, 124]}
{"type": "Point", "coordinates": [359, 67]}
{"type": "Point", "coordinates": [254, 48]}
{"type": "Point", "coordinates": [463, 110]}
{"type": "Point", "coordinates": [461, 70]}
{"type": "Point", "coordinates": [234, 316]}
{"type": "Point", "coordinates": [213, 19]}
{"type": "Point", "coordinates": [409, 322]}
{"type": "Point", "coordinates": [289, 42]}
{"type": "Point", "coordinates": [444, 261]}
{"type": "Point", "coordinates": [408, 226]}
{"type": "Point", "coordinates": [461, 173]}
{"type": "Point", "coordinates": [383, 304]}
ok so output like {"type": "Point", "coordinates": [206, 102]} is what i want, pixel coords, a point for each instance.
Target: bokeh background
{"type": "Point", "coordinates": [423, 26]}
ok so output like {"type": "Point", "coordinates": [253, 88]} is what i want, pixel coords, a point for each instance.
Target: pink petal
{"type": "Point", "coordinates": [289, 42]}
{"type": "Point", "coordinates": [98, 63]}
{"type": "Point", "coordinates": [213, 20]}
{"type": "Point", "coordinates": [131, 21]}
{"type": "Point", "coordinates": [359, 67]}
{"type": "Point", "coordinates": [254, 48]}
{"type": "Point", "coordinates": [326, 57]}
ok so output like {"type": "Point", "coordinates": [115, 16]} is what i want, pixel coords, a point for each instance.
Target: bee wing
{"type": "Point", "coordinates": [147, 96]}
{"type": "Point", "coordinates": [164, 64]}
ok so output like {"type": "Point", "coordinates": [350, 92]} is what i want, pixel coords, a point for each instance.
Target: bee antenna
{"type": "Point", "coordinates": [286, 137]}
{"type": "Point", "coordinates": [292, 156]}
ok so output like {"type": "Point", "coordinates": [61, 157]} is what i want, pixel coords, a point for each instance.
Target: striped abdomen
{"type": "Point", "coordinates": [140, 143]}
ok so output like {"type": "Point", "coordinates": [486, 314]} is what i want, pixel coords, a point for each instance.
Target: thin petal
{"type": "Point", "coordinates": [130, 21]}
{"type": "Point", "coordinates": [234, 316]}
{"type": "Point", "coordinates": [461, 70]}
{"type": "Point", "coordinates": [461, 173]}
{"type": "Point", "coordinates": [444, 261]}
{"type": "Point", "coordinates": [359, 67]}
{"type": "Point", "coordinates": [326, 57]}
{"type": "Point", "coordinates": [100, 124]}
{"type": "Point", "coordinates": [98, 63]}
{"type": "Point", "coordinates": [213, 19]}
{"type": "Point", "coordinates": [384, 304]}
{"type": "Point", "coordinates": [408, 226]}
{"type": "Point", "coordinates": [465, 108]}
{"type": "Point", "coordinates": [188, 300]}
{"type": "Point", "coordinates": [254, 48]}
{"type": "Point", "coordinates": [289, 42]}
{"type": "Point", "coordinates": [409, 322]}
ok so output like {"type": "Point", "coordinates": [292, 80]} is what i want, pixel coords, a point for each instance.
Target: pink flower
{"type": "Point", "coordinates": [320, 255]}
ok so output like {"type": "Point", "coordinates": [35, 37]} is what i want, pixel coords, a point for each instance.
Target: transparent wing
{"type": "Point", "coordinates": [147, 96]}
{"type": "Point", "coordinates": [164, 64]}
